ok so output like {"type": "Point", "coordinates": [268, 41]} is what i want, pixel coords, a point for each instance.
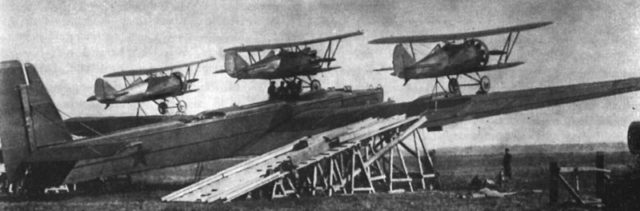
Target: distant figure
{"type": "Point", "coordinates": [282, 90]}
{"type": "Point", "coordinates": [291, 88]}
{"type": "Point", "coordinates": [272, 90]}
{"type": "Point", "coordinates": [506, 163]}
{"type": "Point", "coordinates": [299, 87]}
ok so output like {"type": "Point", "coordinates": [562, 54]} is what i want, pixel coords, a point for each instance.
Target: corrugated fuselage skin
{"type": "Point", "coordinates": [214, 138]}
{"type": "Point", "coordinates": [29, 121]}
{"type": "Point", "coordinates": [15, 147]}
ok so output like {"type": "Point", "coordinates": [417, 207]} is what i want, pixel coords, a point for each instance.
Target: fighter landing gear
{"type": "Point", "coordinates": [483, 83]}
{"type": "Point", "coordinates": [163, 107]}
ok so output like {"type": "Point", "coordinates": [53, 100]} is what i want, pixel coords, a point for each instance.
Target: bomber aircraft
{"type": "Point", "coordinates": [157, 87]}
{"type": "Point", "coordinates": [38, 150]}
{"type": "Point", "coordinates": [293, 61]}
{"type": "Point", "coordinates": [452, 60]}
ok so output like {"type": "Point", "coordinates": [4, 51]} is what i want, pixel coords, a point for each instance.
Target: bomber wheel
{"type": "Point", "coordinates": [163, 108]}
{"type": "Point", "coordinates": [315, 85]}
{"type": "Point", "coordinates": [485, 84]}
{"type": "Point", "coordinates": [454, 87]}
{"type": "Point", "coordinates": [182, 106]}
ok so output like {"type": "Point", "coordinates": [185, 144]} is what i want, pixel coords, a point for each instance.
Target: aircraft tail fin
{"type": "Point", "coordinates": [233, 62]}
{"type": "Point", "coordinates": [401, 59]}
{"type": "Point", "coordinates": [30, 121]}
{"type": "Point", "coordinates": [102, 90]}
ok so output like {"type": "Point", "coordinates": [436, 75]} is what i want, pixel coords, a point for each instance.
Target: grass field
{"type": "Point", "coordinates": [529, 173]}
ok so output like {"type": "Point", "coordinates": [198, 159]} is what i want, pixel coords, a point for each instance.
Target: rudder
{"type": "Point", "coordinates": [401, 59]}
{"type": "Point", "coordinates": [29, 118]}
{"type": "Point", "coordinates": [233, 62]}
{"type": "Point", "coordinates": [103, 90]}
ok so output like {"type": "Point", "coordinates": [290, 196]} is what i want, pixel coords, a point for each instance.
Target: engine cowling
{"type": "Point", "coordinates": [633, 138]}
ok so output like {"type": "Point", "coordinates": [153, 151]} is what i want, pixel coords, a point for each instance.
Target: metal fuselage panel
{"type": "Point", "coordinates": [282, 65]}
{"type": "Point", "coordinates": [151, 89]}
{"type": "Point", "coordinates": [448, 60]}
{"type": "Point", "coordinates": [208, 139]}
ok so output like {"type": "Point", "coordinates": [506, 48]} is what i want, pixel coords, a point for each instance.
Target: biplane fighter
{"type": "Point", "coordinates": [157, 86]}
{"type": "Point", "coordinates": [293, 60]}
{"type": "Point", "coordinates": [453, 60]}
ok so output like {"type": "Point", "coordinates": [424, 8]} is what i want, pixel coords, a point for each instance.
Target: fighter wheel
{"type": "Point", "coordinates": [454, 87]}
{"type": "Point", "coordinates": [485, 84]}
{"type": "Point", "coordinates": [315, 85]}
{"type": "Point", "coordinates": [181, 106]}
{"type": "Point", "coordinates": [163, 108]}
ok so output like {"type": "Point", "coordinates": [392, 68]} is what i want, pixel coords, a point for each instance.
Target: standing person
{"type": "Point", "coordinates": [272, 90]}
{"type": "Point", "coordinates": [282, 91]}
{"type": "Point", "coordinates": [506, 163]}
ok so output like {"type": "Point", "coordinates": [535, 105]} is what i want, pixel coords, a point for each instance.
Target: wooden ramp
{"type": "Point", "coordinates": [344, 160]}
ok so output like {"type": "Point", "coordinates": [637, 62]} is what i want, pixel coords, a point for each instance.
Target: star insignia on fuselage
{"type": "Point", "coordinates": [139, 157]}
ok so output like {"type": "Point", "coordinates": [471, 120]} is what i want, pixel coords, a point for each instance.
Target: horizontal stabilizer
{"type": "Point", "coordinates": [383, 69]}
{"type": "Point", "coordinates": [191, 90]}
{"type": "Point", "coordinates": [328, 69]}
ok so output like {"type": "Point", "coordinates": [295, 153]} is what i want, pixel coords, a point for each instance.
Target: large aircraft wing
{"type": "Point", "coordinates": [498, 103]}
{"type": "Point", "coordinates": [439, 112]}
{"type": "Point", "coordinates": [457, 36]}
{"type": "Point", "coordinates": [451, 110]}
{"type": "Point", "coordinates": [251, 48]}
{"type": "Point", "coordinates": [155, 70]}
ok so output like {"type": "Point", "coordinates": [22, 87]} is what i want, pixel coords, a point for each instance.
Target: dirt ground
{"type": "Point", "coordinates": [529, 174]}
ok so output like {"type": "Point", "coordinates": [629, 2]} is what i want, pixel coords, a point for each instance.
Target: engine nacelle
{"type": "Point", "coordinates": [633, 138]}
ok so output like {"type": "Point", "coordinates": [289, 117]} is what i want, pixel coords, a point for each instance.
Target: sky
{"type": "Point", "coordinates": [72, 43]}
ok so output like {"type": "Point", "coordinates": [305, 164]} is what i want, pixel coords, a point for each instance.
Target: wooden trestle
{"type": "Point", "coordinates": [368, 157]}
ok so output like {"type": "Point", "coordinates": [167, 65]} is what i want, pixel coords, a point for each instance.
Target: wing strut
{"type": "Point", "coordinates": [508, 47]}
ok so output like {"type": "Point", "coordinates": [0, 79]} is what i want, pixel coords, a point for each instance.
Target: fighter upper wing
{"type": "Point", "coordinates": [154, 70]}
{"type": "Point", "coordinates": [251, 48]}
{"type": "Point", "coordinates": [457, 36]}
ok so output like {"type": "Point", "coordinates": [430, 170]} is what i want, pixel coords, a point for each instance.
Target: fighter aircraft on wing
{"type": "Point", "coordinates": [293, 61]}
{"type": "Point", "coordinates": [451, 60]}
{"type": "Point", "coordinates": [38, 150]}
{"type": "Point", "coordinates": [161, 83]}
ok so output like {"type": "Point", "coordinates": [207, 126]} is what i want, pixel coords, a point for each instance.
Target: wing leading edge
{"type": "Point", "coordinates": [250, 48]}
{"type": "Point", "coordinates": [457, 36]}
{"type": "Point", "coordinates": [155, 70]}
